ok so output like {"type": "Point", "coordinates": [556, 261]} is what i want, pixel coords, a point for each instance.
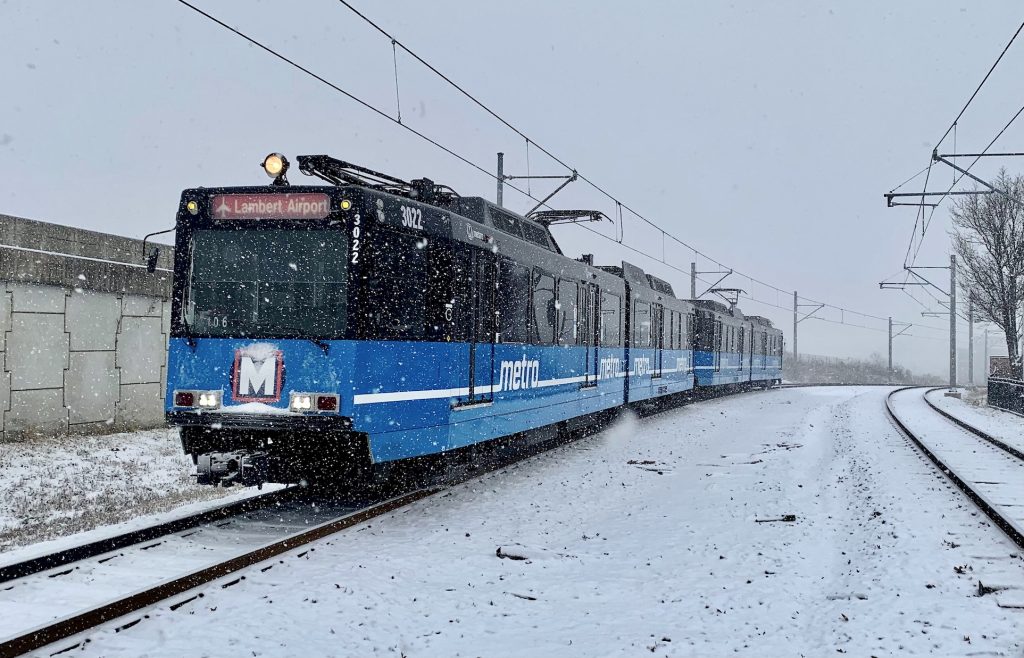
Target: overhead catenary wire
{"type": "Point", "coordinates": [492, 175]}
{"type": "Point", "coordinates": [920, 219]}
{"type": "Point", "coordinates": [981, 84]}
{"type": "Point", "coordinates": [529, 141]}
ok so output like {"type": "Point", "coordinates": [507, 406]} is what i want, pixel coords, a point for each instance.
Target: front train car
{"type": "Point", "coordinates": [317, 329]}
{"type": "Point", "coordinates": [258, 326]}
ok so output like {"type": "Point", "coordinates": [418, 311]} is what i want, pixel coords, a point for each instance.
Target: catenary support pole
{"type": "Point", "coordinates": [890, 349]}
{"type": "Point", "coordinates": [501, 177]}
{"type": "Point", "coordinates": [952, 321]}
{"type": "Point", "coordinates": [796, 309]}
{"type": "Point", "coordinates": [987, 366]}
{"type": "Point", "coordinates": [970, 340]}
{"type": "Point", "coordinates": [693, 280]}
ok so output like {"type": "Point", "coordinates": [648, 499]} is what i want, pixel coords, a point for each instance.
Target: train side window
{"type": "Point", "coordinates": [396, 309]}
{"type": "Point", "coordinates": [611, 318]}
{"type": "Point", "coordinates": [567, 312]}
{"type": "Point", "coordinates": [535, 234]}
{"type": "Point", "coordinates": [544, 309]}
{"type": "Point", "coordinates": [506, 222]}
{"type": "Point", "coordinates": [513, 302]}
{"type": "Point", "coordinates": [641, 324]}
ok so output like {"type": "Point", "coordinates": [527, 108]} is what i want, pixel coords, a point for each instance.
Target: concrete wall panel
{"type": "Point", "coordinates": [91, 388]}
{"type": "Point", "coordinates": [140, 350]}
{"type": "Point", "coordinates": [141, 405]}
{"type": "Point", "coordinates": [5, 396]}
{"type": "Point", "coordinates": [83, 331]}
{"type": "Point", "coordinates": [34, 413]}
{"type": "Point", "coordinates": [5, 316]}
{"type": "Point", "coordinates": [141, 305]}
{"type": "Point", "coordinates": [91, 319]}
{"type": "Point", "coordinates": [37, 350]}
{"type": "Point", "coordinates": [37, 299]}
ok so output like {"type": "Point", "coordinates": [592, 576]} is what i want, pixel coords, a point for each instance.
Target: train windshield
{"type": "Point", "coordinates": [272, 283]}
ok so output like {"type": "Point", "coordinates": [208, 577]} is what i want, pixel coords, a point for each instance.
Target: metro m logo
{"type": "Point", "coordinates": [257, 374]}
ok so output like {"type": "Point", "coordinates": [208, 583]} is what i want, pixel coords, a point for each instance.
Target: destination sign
{"type": "Point", "coordinates": [306, 205]}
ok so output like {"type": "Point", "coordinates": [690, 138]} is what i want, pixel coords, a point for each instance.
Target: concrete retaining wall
{"type": "Point", "coordinates": [83, 331]}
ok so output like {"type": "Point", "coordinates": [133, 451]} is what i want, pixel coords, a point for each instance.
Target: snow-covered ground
{"type": "Point", "coordinates": [1002, 425]}
{"type": "Point", "coordinates": [659, 536]}
{"type": "Point", "coordinates": [53, 488]}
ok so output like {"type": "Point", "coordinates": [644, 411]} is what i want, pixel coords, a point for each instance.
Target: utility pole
{"type": "Point", "coordinates": [987, 366]}
{"type": "Point", "coordinates": [890, 349]}
{"type": "Point", "coordinates": [952, 321]}
{"type": "Point", "coordinates": [693, 280]}
{"type": "Point", "coordinates": [970, 340]}
{"type": "Point", "coordinates": [501, 177]}
{"type": "Point", "coordinates": [796, 309]}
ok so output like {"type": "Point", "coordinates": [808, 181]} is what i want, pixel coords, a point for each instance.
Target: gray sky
{"type": "Point", "coordinates": [762, 133]}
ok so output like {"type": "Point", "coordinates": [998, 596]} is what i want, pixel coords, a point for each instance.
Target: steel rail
{"type": "Point", "coordinates": [1011, 529]}
{"type": "Point", "coordinates": [67, 627]}
{"type": "Point", "coordinates": [75, 624]}
{"type": "Point", "coordinates": [974, 430]}
{"type": "Point", "coordinates": [100, 546]}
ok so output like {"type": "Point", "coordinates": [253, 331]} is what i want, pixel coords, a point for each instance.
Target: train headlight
{"type": "Point", "coordinates": [300, 402]}
{"type": "Point", "coordinates": [192, 207]}
{"type": "Point", "coordinates": [209, 399]}
{"type": "Point", "coordinates": [276, 166]}
{"type": "Point", "coordinates": [345, 204]}
{"type": "Point", "coordinates": [313, 402]}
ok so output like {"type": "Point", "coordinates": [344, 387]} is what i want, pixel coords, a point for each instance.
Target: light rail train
{"type": "Point", "coordinates": [320, 328]}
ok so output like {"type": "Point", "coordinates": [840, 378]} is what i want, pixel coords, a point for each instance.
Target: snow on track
{"type": "Point", "coordinates": [41, 598]}
{"type": "Point", "coordinates": [654, 536]}
{"type": "Point", "coordinates": [53, 488]}
{"type": "Point", "coordinates": [1003, 425]}
{"type": "Point", "coordinates": [991, 471]}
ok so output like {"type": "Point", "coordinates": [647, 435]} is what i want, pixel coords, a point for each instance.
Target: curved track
{"type": "Point", "coordinates": [987, 470]}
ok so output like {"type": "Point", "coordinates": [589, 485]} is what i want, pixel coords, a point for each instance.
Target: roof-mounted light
{"type": "Point", "coordinates": [276, 166]}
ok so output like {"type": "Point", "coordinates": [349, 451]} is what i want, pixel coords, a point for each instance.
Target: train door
{"type": "Point", "coordinates": [657, 337]}
{"type": "Point", "coordinates": [741, 347]}
{"type": "Point", "coordinates": [589, 309]}
{"type": "Point", "coordinates": [481, 325]}
{"type": "Point", "coordinates": [750, 354]}
{"type": "Point", "coordinates": [717, 324]}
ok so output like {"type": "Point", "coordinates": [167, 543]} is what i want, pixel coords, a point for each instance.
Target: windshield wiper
{"type": "Point", "coordinates": [319, 342]}
{"type": "Point", "coordinates": [189, 338]}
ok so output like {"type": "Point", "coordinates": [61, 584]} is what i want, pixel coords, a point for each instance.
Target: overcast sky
{"type": "Point", "coordinates": [762, 133]}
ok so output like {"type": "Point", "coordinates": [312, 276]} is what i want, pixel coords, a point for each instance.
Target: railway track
{"type": "Point", "coordinates": [99, 547]}
{"type": "Point", "coordinates": [61, 596]}
{"type": "Point", "coordinates": [986, 469]}
{"type": "Point", "coordinates": [58, 603]}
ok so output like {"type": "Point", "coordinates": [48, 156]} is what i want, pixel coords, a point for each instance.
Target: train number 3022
{"type": "Point", "coordinates": [412, 218]}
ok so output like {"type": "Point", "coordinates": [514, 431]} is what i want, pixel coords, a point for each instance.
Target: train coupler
{"type": "Point", "coordinates": [242, 467]}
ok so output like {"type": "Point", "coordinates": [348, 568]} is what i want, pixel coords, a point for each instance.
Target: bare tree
{"type": "Point", "coordinates": [988, 238]}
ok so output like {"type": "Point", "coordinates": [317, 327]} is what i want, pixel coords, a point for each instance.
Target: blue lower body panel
{"type": "Point", "coordinates": [408, 398]}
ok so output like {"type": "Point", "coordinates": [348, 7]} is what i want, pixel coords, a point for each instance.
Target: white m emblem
{"type": "Point", "coordinates": [257, 377]}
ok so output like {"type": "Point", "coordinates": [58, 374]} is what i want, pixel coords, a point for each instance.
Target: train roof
{"type": "Point", "coordinates": [761, 320]}
{"type": "Point", "coordinates": [484, 212]}
{"type": "Point", "coordinates": [711, 305]}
